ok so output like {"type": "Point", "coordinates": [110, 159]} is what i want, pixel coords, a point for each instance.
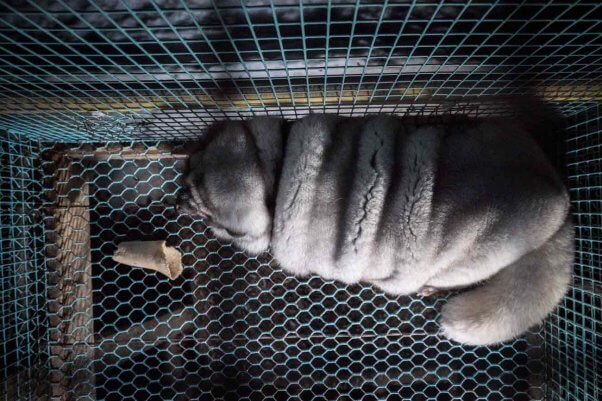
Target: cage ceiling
{"type": "Point", "coordinates": [81, 70]}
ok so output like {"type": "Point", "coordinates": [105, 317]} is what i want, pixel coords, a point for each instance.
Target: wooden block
{"type": "Point", "coordinates": [71, 329]}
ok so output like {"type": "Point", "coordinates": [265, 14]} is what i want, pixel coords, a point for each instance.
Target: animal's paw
{"type": "Point", "coordinates": [427, 291]}
{"type": "Point", "coordinates": [465, 320]}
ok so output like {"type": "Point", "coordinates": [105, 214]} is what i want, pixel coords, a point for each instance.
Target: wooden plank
{"type": "Point", "coordinates": [133, 152]}
{"type": "Point", "coordinates": [71, 329]}
{"type": "Point", "coordinates": [126, 154]}
{"type": "Point", "coordinates": [315, 97]}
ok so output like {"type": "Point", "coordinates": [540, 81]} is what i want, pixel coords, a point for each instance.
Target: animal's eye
{"type": "Point", "coordinates": [234, 234]}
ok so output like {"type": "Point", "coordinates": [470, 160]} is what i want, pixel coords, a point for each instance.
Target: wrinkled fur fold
{"type": "Point", "coordinates": [399, 205]}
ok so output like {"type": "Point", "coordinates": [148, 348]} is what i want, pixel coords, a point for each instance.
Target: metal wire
{"type": "Point", "coordinates": [238, 327]}
{"type": "Point", "coordinates": [132, 77]}
{"type": "Point", "coordinates": [130, 64]}
{"type": "Point", "coordinates": [573, 335]}
{"type": "Point", "coordinates": [22, 280]}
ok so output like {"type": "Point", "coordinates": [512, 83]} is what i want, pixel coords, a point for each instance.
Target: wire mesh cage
{"type": "Point", "coordinates": [97, 99]}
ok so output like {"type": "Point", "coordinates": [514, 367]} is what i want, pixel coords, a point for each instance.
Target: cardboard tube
{"type": "Point", "coordinates": [153, 255]}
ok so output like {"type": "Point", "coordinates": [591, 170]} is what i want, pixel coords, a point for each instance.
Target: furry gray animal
{"type": "Point", "coordinates": [400, 205]}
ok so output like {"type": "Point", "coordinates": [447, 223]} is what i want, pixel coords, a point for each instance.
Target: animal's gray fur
{"type": "Point", "coordinates": [399, 205]}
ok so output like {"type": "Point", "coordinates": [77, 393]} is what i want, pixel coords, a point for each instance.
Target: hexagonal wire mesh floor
{"type": "Point", "coordinates": [234, 326]}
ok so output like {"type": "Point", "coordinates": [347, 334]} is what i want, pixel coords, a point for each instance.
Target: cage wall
{"type": "Point", "coordinates": [115, 70]}
{"type": "Point", "coordinates": [23, 347]}
{"type": "Point", "coordinates": [97, 99]}
{"type": "Point", "coordinates": [572, 335]}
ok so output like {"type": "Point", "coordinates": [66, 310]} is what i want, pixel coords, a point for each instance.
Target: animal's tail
{"type": "Point", "coordinates": [515, 299]}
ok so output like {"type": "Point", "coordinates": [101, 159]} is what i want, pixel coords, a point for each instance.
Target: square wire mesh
{"type": "Point", "coordinates": [574, 335]}
{"type": "Point", "coordinates": [114, 73]}
{"type": "Point", "coordinates": [109, 70]}
{"type": "Point", "coordinates": [23, 345]}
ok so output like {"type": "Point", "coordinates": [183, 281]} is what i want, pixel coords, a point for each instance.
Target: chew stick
{"type": "Point", "coordinates": [153, 255]}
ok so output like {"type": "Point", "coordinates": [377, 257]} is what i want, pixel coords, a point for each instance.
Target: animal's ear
{"type": "Point", "coordinates": [190, 149]}
{"type": "Point", "coordinates": [231, 151]}
{"type": "Point", "coordinates": [234, 139]}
